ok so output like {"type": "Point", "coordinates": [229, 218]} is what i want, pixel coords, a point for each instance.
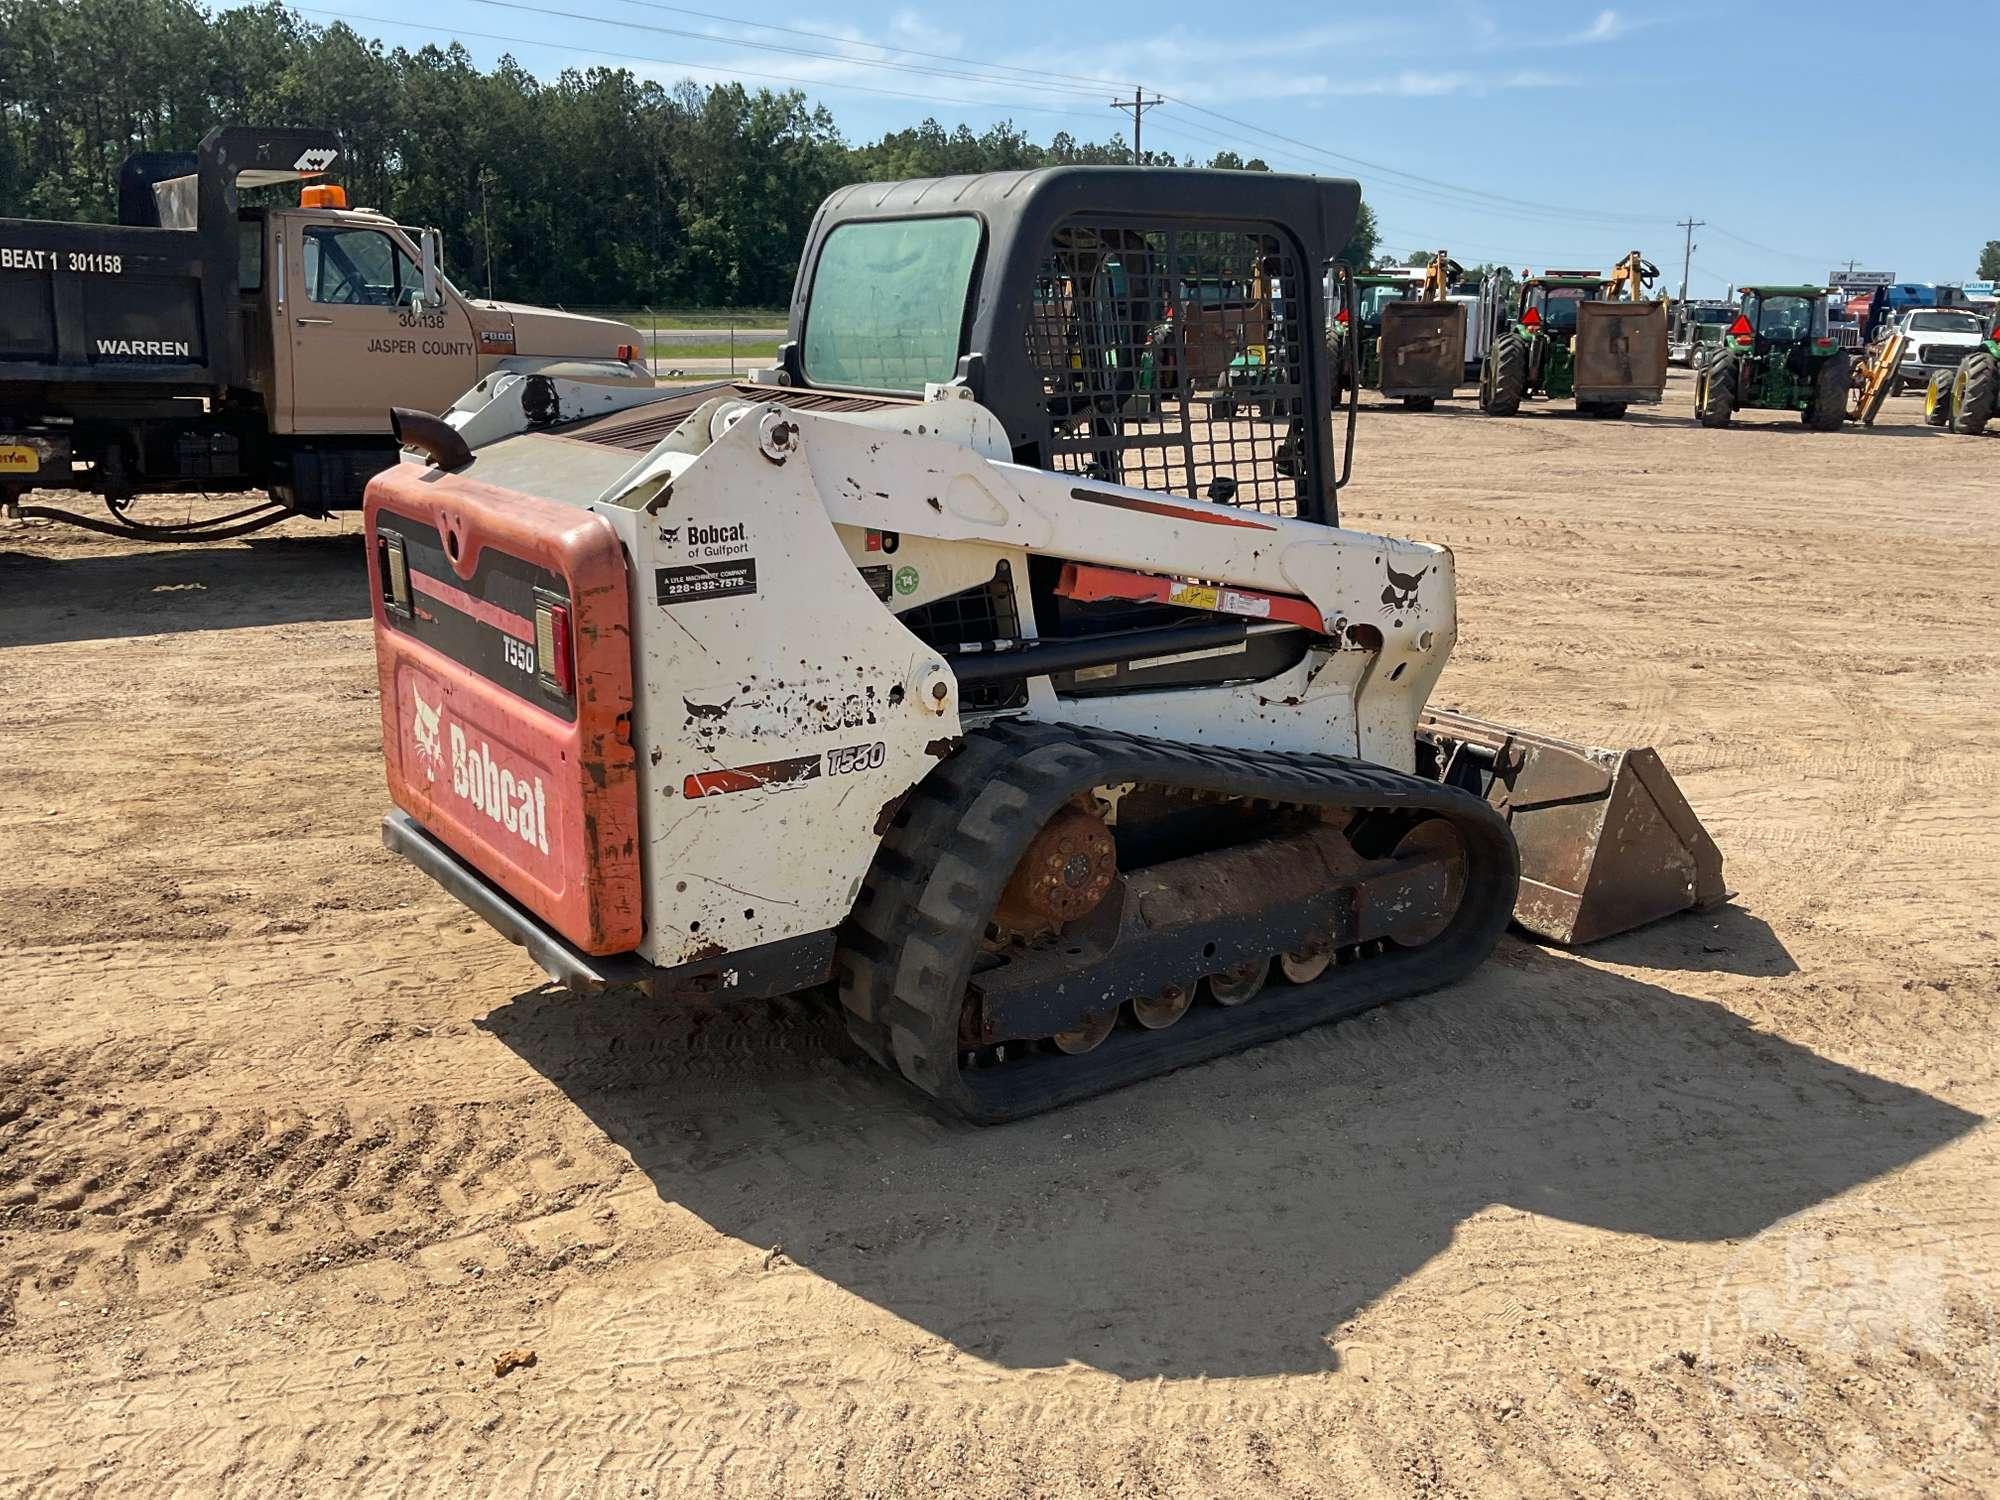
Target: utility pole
{"type": "Point", "coordinates": [1690, 224]}
{"type": "Point", "coordinates": [1138, 104]}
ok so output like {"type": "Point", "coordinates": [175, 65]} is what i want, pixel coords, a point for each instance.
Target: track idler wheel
{"type": "Point", "coordinates": [1062, 875]}
{"type": "Point", "coordinates": [1437, 841]}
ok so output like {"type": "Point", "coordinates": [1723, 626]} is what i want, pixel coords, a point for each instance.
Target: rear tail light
{"type": "Point", "coordinates": [553, 654]}
{"type": "Point", "coordinates": [628, 352]}
{"type": "Point", "coordinates": [395, 566]}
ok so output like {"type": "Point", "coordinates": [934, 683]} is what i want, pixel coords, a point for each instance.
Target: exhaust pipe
{"type": "Point", "coordinates": [1607, 841]}
{"type": "Point", "coordinates": [431, 436]}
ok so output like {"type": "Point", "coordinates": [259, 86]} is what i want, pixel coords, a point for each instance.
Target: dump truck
{"type": "Point", "coordinates": [207, 343]}
{"type": "Point", "coordinates": [1779, 355]}
{"type": "Point", "coordinates": [1583, 335]}
{"type": "Point", "coordinates": [1053, 726]}
{"type": "Point", "coordinates": [1419, 346]}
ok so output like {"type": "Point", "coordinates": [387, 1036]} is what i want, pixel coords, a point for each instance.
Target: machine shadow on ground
{"type": "Point", "coordinates": [1727, 940]}
{"type": "Point", "coordinates": [49, 600]}
{"type": "Point", "coordinates": [1224, 1221]}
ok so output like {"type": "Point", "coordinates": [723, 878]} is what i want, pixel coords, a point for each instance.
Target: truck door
{"type": "Point", "coordinates": [361, 341]}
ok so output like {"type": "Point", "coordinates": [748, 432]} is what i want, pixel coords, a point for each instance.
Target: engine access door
{"type": "Point", "coordinates": [360, 345]}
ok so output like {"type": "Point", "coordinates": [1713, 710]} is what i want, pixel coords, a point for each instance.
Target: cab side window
{"type": "Point", "coordinates": [359, 268]}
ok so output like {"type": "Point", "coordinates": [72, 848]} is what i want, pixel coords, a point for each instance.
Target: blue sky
{"type": "Point", "coordinates": [1488, 129]}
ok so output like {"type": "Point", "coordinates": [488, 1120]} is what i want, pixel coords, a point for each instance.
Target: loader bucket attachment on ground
{"type": "Point", "coordinates": [1607, 841]}
{"type": "Point", "coordinates": [1621, 351]}
{"type": "Point", "coordinates": [1422, 348]}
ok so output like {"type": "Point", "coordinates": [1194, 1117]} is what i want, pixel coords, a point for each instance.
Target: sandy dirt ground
{"type": "Point", "coordinates": [292, 1149]}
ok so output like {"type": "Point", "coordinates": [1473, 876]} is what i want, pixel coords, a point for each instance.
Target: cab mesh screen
{"type": "Point", "coordinates": [1171, 360]}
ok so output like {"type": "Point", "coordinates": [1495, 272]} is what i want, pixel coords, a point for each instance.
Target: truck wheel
{"type": "Point", "coordinates": [1829, 398]}
{"type": "Point", "coordinates": [1895, 385]}
{"type": "Point", "coordinates": [1506, 379]}
{"type": "Point", "coordinates": [1974, 394]}
{"type": "Point", "coordinates": [1937, 398]}
{"type": "Point", "coordinates": [1420, 403]}
{"type": "Point", "coordinates": [1715, 392]}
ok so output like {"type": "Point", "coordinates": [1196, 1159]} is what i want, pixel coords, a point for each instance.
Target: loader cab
{"type": "Point", "coordinates": [1143, 327]}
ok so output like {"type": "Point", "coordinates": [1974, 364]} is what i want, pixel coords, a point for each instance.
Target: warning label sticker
{"type": "Point", "coordinates": [699, 581]}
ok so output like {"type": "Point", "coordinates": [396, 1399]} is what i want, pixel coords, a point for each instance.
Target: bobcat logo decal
{"type": "Point", "coordinates": [1401, 593]}
{"type": "Point", "coordinates": [430, 743]}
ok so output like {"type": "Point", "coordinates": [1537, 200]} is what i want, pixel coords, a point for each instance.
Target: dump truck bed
{"type": "Point", "coordinates": [113, 302]}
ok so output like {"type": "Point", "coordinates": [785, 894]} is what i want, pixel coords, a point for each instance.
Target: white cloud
{"type": "Point", "coordinates": [1608, 27]}
{"type": "Point", "coordinates": [1409, 84]}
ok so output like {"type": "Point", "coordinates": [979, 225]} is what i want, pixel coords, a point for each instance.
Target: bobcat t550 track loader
{"type": "Point", "coordinates": [1045, 714]}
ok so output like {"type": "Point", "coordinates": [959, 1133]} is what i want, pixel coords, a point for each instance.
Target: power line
{"type": "Point", "coordinates": [826, 36]}
{"type": "Point", "coordinates": [1517, 204]}
{"type": "Point", "coordinates": [1066, 90]}
{"type": "Point", "coordinates": [455, 32]}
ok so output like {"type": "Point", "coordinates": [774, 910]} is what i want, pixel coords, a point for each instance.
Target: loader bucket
{"type": "Point", "coordinates": [1621, 351]}
{"type": "Point", "coordinates": [1422, 348]}
{"type": "Point", "coordinates": [1607, 841]}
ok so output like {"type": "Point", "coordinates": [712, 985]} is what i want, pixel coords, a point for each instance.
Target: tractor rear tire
{"type": "Point", "coordinates": [1975, 393]}
{"type": "Point", "coordinates": [1420, 403]}
{"type": "Point", "coordinates": [1937, 398]}
{"type": "Point", "coordinates": [1715, 392]}
{"type": "Point", "coordinates": [1506, 378]}
{"type": "Point", "coordinates": [1829, 398]}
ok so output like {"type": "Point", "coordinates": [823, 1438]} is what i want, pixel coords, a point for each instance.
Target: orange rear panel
{"type": "Point", "coordinates": [533, 787]}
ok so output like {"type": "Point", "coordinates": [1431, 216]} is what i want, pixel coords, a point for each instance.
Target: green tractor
{"type": "Point", "coordinates": [1779, 355]}
{"type": "Point", "coordinates": [1581, 335]}
{"type": "Point", "coordinates": [1964, 399]}
{"type": "Point", "coordinates": [1372, 293]}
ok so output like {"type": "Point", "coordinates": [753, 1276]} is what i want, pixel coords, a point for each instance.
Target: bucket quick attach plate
{"type": "Point", "coordinates": [1607, 841]}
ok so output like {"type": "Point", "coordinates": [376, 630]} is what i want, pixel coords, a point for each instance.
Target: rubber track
{"type": "Point", "coordinates": [906, 953]}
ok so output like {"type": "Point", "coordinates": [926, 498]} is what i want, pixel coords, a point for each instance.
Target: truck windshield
{"type": "Point", "coordinates": [888, 303]}
{"type": "Point", "coordinates": [1944, 322]}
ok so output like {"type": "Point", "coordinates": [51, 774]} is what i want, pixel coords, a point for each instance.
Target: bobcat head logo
{"type": "Point", "coordinates": [671, 535]}
{"type": "Point", "coordinates": [1401, 594]}
{"type": "Point", "coordinates": [425, 731]}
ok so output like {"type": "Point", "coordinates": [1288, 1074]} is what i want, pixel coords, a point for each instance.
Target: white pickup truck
{"type": "Point", "coordinates": [1934, 338]}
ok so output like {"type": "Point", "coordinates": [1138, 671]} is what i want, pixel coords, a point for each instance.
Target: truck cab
{"type": "Point", "coordinates": [351, 314]}
{"type": "Point", "coordinates": [208, 341]}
